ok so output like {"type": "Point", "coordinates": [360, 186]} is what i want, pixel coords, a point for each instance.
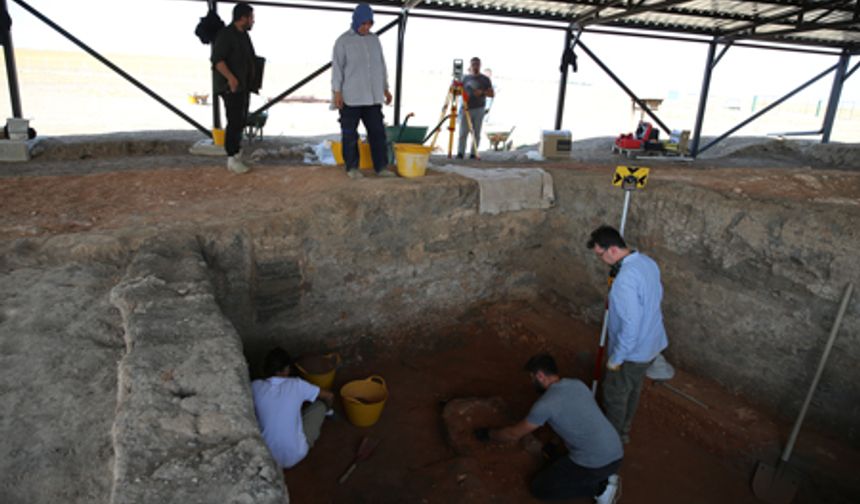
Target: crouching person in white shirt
{"type": "Point", "coordinates": [288, 430]}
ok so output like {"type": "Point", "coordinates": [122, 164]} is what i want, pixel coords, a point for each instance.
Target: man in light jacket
{"type": "Point", "coordinates": [636, 332]}
{"type": "Point", "coordinates": [359, 82]}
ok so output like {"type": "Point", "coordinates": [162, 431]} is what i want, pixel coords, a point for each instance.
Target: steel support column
{"type": "Point", "coordinates": [768, 108]}
{"type": "Point", "coordinates": [398, 78]}
{"type": "Point", "coordinates": [703, 97]}
{"type": "Point", "coordinates": [627, 90]}
{"type": "Point", "coordinates": [562, 83]}
{"type": "Point", "coordinates": [835, 94]}
{"type": "Point", "coordinates": [11, 68]}
{"type": "Point", "coordinates": [216, 101]}
{"type": "Point", "coordinates": [113, 67]}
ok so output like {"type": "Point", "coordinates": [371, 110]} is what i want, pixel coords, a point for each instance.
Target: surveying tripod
{"type": "Point", "coordinates": [455, 91]}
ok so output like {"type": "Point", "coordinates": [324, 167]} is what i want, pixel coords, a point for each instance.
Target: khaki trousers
{"type": "Point", "coordinates": [621, 390]}
{"type": "Point", "coordinates": [312, 420]}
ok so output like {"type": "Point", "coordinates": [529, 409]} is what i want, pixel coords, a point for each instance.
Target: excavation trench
{"type": "Point", "coordinates": [411, 281]}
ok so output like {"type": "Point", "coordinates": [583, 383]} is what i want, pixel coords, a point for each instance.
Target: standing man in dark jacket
{"type": "Point", "coordinates": [233, 61]}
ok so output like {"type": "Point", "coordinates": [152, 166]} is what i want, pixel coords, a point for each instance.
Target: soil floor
{"type": "Point", "coordinates": [86, 186]}
{"type": "Point", "coordinates": [680, 451]}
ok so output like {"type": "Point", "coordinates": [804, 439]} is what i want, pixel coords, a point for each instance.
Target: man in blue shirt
{"type": "Point", "coordinates": [594, 449]}
{"type": "Point", "coordinates": [635, 326]}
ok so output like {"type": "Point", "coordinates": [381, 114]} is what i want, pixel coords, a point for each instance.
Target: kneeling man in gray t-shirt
{"type": "Point", "coordinates": [594, 447]}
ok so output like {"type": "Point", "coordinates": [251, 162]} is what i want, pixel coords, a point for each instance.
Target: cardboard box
{"type": "Point", "coordinates": [555, 144]}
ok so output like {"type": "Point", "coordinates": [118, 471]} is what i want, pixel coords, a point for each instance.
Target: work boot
{"type": "Point", "coordinates": [459, 156]}
{"type": "Point", "coordinates": [473, 156]}
{"type": "Point", "coordinates": [385, 173]}
{"type": "Point", "coordinates": [612, 492]}
{"type": "Point", "coordinates": [354, 174]}
{"type": "Point", "coordinates": [235, 165]}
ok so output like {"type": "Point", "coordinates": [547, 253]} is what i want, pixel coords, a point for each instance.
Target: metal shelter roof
{"type": "Point", "coordinates": [830, 27]}
{"type": "Point", "coordinates": [823, 23]}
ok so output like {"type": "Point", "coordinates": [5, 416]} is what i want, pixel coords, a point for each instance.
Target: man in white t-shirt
{"type": "Point", "coordinates": [288, 430]}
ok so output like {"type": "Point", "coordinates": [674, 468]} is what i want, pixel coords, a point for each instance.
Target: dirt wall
{"type": "Point", "coordinates": [752, 282]}
{"type": "Point", "coordinates": [354, 267]}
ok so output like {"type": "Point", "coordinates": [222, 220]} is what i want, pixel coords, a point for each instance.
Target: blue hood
{"type": "Point", "coordinates": [362, 14]}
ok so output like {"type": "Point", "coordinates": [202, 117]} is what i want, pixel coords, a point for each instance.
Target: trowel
{"type": "Point", "coordinates": [365, 449]}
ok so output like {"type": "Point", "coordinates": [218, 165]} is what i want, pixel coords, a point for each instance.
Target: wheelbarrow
{"type": "Point", "coordinates": [404, 134]}
{"type": "Point", "coordinates": [499, 139]}
{"type": "Point", "coordinates": [254, 125]}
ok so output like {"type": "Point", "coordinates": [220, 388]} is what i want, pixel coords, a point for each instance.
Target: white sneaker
{"type": "Point", "coordinates": [235, 165]}
{"type": "Point", "coordinates": [612, 492]}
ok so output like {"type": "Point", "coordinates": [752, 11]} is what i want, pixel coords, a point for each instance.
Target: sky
{"type": "Point", "coordinates": [519, 56]}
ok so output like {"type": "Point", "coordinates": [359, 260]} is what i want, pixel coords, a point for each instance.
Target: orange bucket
{"type": "Point", "coordinates": [365, 160]}
{"type": "Point", "coordinates": [218, 136]}
{"type": "Point", "coordinates": [319, 369]}
{"type": "Point", "coordinates": [364, 400]}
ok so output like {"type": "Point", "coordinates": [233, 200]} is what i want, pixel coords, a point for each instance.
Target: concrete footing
{"type": "Point", "coordinates": [205, 147]}
{"type": "Point", "coordinates": [14, 150]}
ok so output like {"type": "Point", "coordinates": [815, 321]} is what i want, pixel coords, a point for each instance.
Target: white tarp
{"type": "Point", "coordinates": [508, 189]}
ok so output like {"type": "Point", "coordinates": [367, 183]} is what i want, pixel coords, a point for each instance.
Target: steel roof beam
{"type": "Point", "coordinates": [768, 108]}
{"type": "Point", "coordinates": [807, 7]}
{"type": "Point", "coordinates": [627, 18]}
{"type": "Point", "coordinates": [807, 27]}
{"type": "Point", "coordinates": [313, 74]}
{"type": "Point", "coordinates": [594, 11]}
{"type": "Point", "coordinates": [626, 89]}
{"type": "Point", "coordinates": [639, 9]}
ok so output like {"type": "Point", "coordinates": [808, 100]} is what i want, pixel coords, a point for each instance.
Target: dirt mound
{"type": "Point", "coordinates": [137, 143]}
{"type": "Point", "coordinates": [748, 151]}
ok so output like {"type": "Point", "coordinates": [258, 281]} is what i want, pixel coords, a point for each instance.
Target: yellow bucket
{"type": "Point", "coordinates": [363, 400]}
{"type": "Point", "coordinates": [319, 369]}
{"type": "Point", "coordinates": [218, 136]}
{"type": "Point", "coordinates": [412, 159]}
{"type": "Point", "coordinates": [365, 160]}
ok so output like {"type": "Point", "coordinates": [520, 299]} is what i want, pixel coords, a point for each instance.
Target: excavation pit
{"type": "Point", "coordinates": [149, 288]}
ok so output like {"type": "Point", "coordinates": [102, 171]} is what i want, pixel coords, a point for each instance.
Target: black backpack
{"type": "Point", "coordinates": [208, 27]}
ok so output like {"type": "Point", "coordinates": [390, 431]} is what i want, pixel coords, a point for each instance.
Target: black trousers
{"type": "Point", "coordinates": [564, 479]}
{"type": "Point", "coordinates": [236, 106]}
{"type": "Point", "coordinates": [371, 116]}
